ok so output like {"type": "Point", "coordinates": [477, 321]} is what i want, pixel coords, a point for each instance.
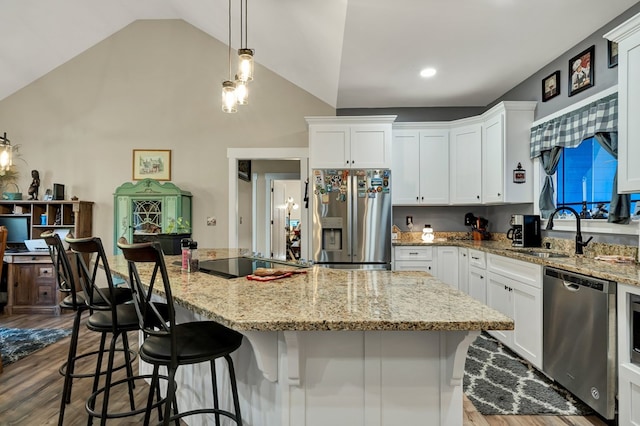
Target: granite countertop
{"type": "Point", "coordinates": [326, 299]}
{"type": "Point", "coordinates": [627, 273]}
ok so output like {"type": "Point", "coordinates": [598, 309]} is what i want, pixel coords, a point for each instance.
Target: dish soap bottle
{"type": "Point", "coordinates": [427, 234]}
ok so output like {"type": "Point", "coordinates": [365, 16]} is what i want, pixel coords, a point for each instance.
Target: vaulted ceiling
{"type": "Point", "coordinates": [348, 53]}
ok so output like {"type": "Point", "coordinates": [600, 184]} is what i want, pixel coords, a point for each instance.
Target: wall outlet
{"type": "Point", "coordinates": [211, 221]}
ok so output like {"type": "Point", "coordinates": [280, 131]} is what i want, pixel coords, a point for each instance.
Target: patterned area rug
{"type": "Point", "coordinates": [16, 343]}
{"type": "Point", "coordinates": [498, 381]}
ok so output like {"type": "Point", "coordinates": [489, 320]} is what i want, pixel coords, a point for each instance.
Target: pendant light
{"type": "Point", "coordinates": [245, 55]}
{"type": "Point", "coordinates": [6, 160]}
{"type": "Point", "coordinates": [229, 101]}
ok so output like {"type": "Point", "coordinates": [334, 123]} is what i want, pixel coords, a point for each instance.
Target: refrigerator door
{"type": "Point", "coordinates": [330, 216]}
{"type": "Point", "coordinates": [371, 229]}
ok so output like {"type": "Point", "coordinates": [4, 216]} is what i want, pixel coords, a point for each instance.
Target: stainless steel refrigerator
{"type": "Point", "coordinates": [351, 212]}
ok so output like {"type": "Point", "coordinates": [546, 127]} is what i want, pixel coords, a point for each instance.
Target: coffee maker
{"type": "Point", "coordinates": [525, 230]}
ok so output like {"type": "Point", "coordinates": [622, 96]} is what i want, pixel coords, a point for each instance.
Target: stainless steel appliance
{"type": "Point", "coordinates": [635, 329]}
{"type": "Point", "coordinates": [525, 230]}
{"type": "Point", "coordinates": [579, 337]}
{"type": "Point", "coordinates": [351, 212]}
{"type": "Point", "coordinates": [239, 266]}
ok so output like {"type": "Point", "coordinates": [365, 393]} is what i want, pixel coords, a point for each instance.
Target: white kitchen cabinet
{"type": "Point", "coordinates": [447, 265]}
{"type": "Point", "coordinates": [465, 178]}
{"type": "Point", "coordinates": [477, 275]}
{"type": "Point", "coordinates": [505, 145]}
{"type": "Point", "coordinates": [350, 142]}
{"type": "Point", "coordinates": [514, 288]}
{"type": "Point", "coordinates": [414, 258]}
{"type": "Point", "coordinates": [627, 35]}
{"type": "Point", "coordinates": [463, 270]}
{"type": "Point", "coordinates": [420, 165]}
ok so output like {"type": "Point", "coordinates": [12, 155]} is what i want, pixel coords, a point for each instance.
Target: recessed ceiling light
{"type": "Point", "coordinates": [428, 72]}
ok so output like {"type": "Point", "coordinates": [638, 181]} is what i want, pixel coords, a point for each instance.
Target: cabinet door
{"type": "Point", "coordinates": [466, 165]}
{"type": "Point", "coordinates": [628, 112]}
{"type": "Point", "coordinates": [329, 146]}
{"type": "Point", "coordinates": [370, 146]}
{"type": "Point", "coordinates": [478, 284]}
{"type": "Point", "coordinates": [22, 285]}
{"type": "Point", "coordinates": [434, 167]}
{"type": "Point", "coordinates": [527, 316]}
{"type": "Point", "coordinates": [493, 173]}
{"type": "Point", "coordinates": [447, 265]}
{"type": "Point", "coordinates": [463, 270]}
{"type": "Point", "coordinates": [499, 297]}
{"type": "Point", "coordinates": [405, 181]}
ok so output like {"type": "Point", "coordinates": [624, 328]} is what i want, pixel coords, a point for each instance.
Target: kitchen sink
{"type": "Point", "coordinates": [537, 253]}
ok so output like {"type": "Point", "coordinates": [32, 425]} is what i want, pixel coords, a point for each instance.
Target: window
{"type": "Point", "coordinates": [585, 175]}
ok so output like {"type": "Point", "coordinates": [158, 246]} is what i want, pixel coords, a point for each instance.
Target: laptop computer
{"type": "Point", "coordinates": [36, 245]}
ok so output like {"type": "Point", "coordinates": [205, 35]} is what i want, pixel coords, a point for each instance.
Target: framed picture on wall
{"type": "Point", "coordinates": [152, 164]}
{"type": "Point", "coordinates": [551, 86]}
{"type": "Point", "coordinates": [612, 53]}
{"type": "Point", "coordinates": [581, 71]}
{"type": "Point", "coordinates": [244, 170]}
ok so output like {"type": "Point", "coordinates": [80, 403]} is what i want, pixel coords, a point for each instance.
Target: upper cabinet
{"type": "Point", "coordinates": [350, 142]}
{"type": "Point", "coordinates": [420, 165]}
{"type": "Point", "coordinates": [466, 164]}
{"type": "Point", "coordinates": [627, 36]}
{"type": "Point", "coordinates": [505, 145]}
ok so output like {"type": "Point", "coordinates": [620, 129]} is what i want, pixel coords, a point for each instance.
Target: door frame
{"type": "Point", "coordinates": [235, 154]}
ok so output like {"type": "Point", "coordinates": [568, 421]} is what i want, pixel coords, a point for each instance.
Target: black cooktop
{"type": "Point", "coordinates": [236, 266]}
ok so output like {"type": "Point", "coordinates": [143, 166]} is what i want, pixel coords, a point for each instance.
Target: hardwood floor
{"type": "Point", "coordinates": [31, 387]}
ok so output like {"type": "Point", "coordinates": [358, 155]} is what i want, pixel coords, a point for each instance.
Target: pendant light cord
{"type": "Point", "coordinates": [229, 40]}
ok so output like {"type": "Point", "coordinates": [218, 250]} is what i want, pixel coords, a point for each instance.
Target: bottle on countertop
{"type": "Point", "coordinates": [194, 261]}
{"type": "Point", "coordinates": [184, 245]}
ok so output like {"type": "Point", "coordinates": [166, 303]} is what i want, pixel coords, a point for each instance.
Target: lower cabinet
{"type": "Point", "coordinates": [414, 258]}
{"type": "Point", "coordinates": [463, 270]}
{"type": "Point", "coordinates": [447, 269]}
{"type": "Point", "coordinates": [514, 288]}
{"type": "Point", "coordinates": [477, 275]}
{"type": "Point", "coordinates": [628, 369]}
{"type": "Point", "coordinates": [31, 285]}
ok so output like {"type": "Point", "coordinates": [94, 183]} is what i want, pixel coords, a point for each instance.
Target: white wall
{"type": "Point", "coordinates": [154, 85]}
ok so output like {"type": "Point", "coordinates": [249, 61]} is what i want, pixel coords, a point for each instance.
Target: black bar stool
{"type": "Point", "coordinates": [171, 345]}
{"type": "Point", "coordinates": [107, 317]}
{"type": "Point", "coordinates": [76, 302]}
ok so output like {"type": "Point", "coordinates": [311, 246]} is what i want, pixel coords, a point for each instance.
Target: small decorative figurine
{"type": "Point", "coordinates": [35, 185]}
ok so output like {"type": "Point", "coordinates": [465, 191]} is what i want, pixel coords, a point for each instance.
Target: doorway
{"type": "Point", "coordinates": [285, 216]}
{"type": "Point", "coordinates": [235, 154]}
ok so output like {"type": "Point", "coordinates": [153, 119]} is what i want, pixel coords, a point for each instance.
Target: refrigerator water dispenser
{"type": "Point", "coordinates": [331, 233]}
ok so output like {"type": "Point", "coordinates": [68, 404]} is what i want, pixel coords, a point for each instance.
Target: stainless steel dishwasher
{"type": "Point", "coordinates": [579, 337]}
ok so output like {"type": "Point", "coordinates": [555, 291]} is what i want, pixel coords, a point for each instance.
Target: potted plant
{"type": "Point", "coordinates": [176, 230]}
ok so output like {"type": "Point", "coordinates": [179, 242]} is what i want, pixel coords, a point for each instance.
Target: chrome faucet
{"type": "Point", "coordinates": [579, 243]}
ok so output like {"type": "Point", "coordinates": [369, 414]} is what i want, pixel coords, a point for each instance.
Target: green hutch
{"type": "Point", "coordinates": [145, 208]}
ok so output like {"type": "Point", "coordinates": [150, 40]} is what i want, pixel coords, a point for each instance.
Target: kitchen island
{"type": "Point", "coordinates": [339, 347]}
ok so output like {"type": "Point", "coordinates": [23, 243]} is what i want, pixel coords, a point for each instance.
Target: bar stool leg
{"type": "Point", "coordinates": [214, 384]}
{"type": "Point", "coordinates": [234, 390]}
{"type": "Point", "coordinates": [68, 381]}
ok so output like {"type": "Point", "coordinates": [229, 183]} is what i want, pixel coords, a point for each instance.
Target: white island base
{"type": "Point", "coordinates": [320, 378]}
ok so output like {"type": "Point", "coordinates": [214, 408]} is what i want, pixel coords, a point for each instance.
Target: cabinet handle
{"type": "Point", "coordinates": [15, 284]}
{"type": "Point", "coordinates": [482, 277]}
{"type": "Point", "coordinates": [413, 253]}
{"type": "Point", "coordinates": [417, 198]}
{"type": "Point", "coordinates": [498, 194]}
{"type": "Point", "coordinates": [422, 198]}
{"type": "Point", "coordinates": [478, 197]}
{"type": "Point", "coordinates": [429, 267]}
{"type": "Point", "coordinates": [352, 161]}
{"type": "Point", "coordinates": [475, 258]}
{"type": "Point", "coordinates": [33, 258]}
{"type": "Point", "coordinates": [347, 161]}
{"type": "Point", "coordinates": [464, 255]}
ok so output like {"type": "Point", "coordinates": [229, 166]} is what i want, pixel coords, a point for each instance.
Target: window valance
{"type": "Point", "coordinates": [572, 128]}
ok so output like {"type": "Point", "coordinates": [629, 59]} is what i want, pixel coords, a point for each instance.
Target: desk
{"type": "Point", "coordinates": [31, 284]}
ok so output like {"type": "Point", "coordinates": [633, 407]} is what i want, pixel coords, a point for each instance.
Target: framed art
{"type": "Point", "coordinates": [551, 86]}
{"type": "Point", "coordinates": [244, 170]}
{"type": "Point", "coordinates": [581, 71]}
{"type": "Point", "coordinates": [152, 164]}
{"type": "Point", "coordinates": [612, 53]}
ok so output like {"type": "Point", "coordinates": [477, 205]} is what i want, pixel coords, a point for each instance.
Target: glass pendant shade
{"type": "Point", "coordinates": [229, 101]}
{"type": "Point", "coordinates": [245, 64]}
{"type": "Point", "coordinates": [242, 92]}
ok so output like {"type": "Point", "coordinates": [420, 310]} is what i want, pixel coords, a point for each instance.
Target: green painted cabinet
{"type": "Point", "coordinates": [145, 208]}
